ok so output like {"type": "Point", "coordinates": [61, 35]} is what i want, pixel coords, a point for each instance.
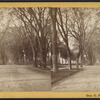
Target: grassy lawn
{"type": "Point", "coordinates": [63, 73]}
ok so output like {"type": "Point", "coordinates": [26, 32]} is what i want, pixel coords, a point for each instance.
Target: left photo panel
{"type": "Point", "coordinates": [25, 49]}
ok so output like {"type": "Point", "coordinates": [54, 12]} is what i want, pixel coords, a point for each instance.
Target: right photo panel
{"type": "Point", "coordinates": [75, 49]}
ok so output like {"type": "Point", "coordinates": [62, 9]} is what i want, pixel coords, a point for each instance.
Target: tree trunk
{"type": "Point", "coordinates": [77, 59]}
{"type": "Point", "coordinates": [35, 59]}
{"type": "Point", "coordinates": [69, 54]}
{"type": "Point", "coordinates": [69, 62]}
{"type": "Point", "coordinates": [3, 61]}
{"type": "Point", "coordinates": [54, 39]}
{"type": "Point", "coordinates": [91, 61]}
{"type": "Point", "coordinates": [77, 62]}
{"type": "Point", "coordinates": [44, 65]}
{"type": "Point", "coordinates": [34, 56]}
{"type": "Point", "coordinates": [18, 58]}
{"type": "Point", "coordinates": [51, 58]}
{"type": "Point", "coordinates": [81, 54]}
{"type": "Point", "coordinates": [81, 63]}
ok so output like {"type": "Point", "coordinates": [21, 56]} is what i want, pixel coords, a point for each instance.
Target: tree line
{"type": "Point", "coordinates": [39, 35]}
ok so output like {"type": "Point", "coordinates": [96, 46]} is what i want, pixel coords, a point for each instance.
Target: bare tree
{"type": "Point", "coordinates": [62, 24]}
{"type": "Point", "coordinates": [79, 22]}
{"type": "Point", "coordinates": [36, 21]}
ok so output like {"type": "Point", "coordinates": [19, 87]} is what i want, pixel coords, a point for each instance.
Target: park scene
{"type": "Point", "coordinates": [24, 49]}
{"type": "Point", "coordinates": [75, 50]}
{"type": "Point", "coordinates": [49, 49]}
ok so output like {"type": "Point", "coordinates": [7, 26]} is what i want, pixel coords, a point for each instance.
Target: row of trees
{"type": "Point", "coordinates": [81, 24]}
{"type": "Point", "coordinates": [36, 29]}
{"type": "Point", "coordinates": [38, 35]}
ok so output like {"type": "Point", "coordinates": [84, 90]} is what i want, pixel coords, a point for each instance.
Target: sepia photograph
{"type": "Point", "coordinates": [75, 50]}
{"type": "Point", "coordinates": [53, 49]}
{"type": "Point", "coordinates": [24, 50]}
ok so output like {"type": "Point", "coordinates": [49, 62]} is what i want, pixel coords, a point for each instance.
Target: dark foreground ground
{"type": "Point", "coordinates": [87, 80]}
{"type": "Point", "coordinates": [55, 77]}
{"type": "Point", "coordinates": [23, 78]}
{"type": "Point", "coordinates": [64, 72]}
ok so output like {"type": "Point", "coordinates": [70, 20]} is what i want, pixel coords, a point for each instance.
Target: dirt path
{"type": "Point", "coordinates": [23, 78]}
{"type": "Point", "coordinates": [83, 81]}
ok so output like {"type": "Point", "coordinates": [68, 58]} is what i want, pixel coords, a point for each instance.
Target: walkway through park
{"type": "Point", "coordinates": [87, 80]}
{"type": "Point", "coordinates": [23, 78]}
